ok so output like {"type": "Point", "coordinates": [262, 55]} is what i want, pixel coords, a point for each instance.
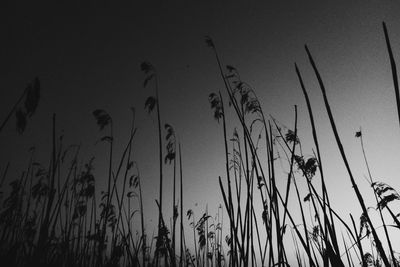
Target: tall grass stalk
{"type": "Point", "coordinates": [182, 247]}
{"type": "Point", "coordinates": [341, 149]}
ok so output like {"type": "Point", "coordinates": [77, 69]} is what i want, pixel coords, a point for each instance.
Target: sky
{"type": "Point", "coordinates": [87, 56]}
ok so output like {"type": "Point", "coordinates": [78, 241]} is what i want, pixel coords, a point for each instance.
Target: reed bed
{"type": "Point", "coordinates": [54, 213]}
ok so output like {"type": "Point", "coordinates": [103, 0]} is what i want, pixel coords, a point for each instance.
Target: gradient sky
{"type": "Point", "coordinates": [87, 56]}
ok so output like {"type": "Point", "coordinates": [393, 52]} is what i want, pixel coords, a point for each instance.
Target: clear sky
{"type": "Point", "coordinates": [87, 56]}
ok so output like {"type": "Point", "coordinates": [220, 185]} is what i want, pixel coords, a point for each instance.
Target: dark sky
{"type": "Point", "coordinates": [87, 56]}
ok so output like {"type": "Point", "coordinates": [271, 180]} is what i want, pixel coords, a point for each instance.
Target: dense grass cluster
{"type": "Point", "coordinates": [55, 215]}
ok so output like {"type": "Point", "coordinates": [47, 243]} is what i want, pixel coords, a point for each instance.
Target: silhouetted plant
{"type": "Point", "coordinates": [31, 94]}
{"type": "Point", "coordinates": [102, 118]}
{"type": "Point", "coordinates": [170, 138]}
{"type": "Point", "coordinates": [216, 105]}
